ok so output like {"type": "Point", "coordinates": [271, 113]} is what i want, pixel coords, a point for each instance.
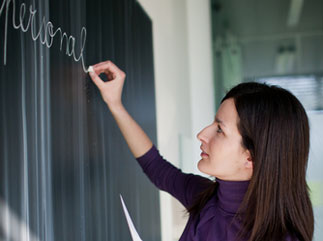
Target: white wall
{"type": "Point", "coordinates": [315, 169]}
{"type": "Point", "coordinates": [184, 89]}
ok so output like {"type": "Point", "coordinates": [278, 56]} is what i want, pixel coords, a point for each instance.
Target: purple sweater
{"type": "Point", "coordinates": [213, 223]}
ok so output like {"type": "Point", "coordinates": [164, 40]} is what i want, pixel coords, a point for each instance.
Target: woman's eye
{"type": "Point", "coordinates": [219, 130]}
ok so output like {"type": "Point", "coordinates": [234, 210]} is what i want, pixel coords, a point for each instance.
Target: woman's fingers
{"type": "Point", "coordinates": [109, 68]}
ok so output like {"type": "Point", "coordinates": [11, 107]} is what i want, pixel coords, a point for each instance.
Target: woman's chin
{"type": "Point", "coordinates": [203, 167]}
{"type": "Point", "coordinates": [200, 165]}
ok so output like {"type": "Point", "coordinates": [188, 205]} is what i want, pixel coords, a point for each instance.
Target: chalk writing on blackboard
{"type": "Point", "coordinates": [45, 33]}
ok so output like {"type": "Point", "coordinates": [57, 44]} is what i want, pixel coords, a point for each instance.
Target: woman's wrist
{"type": "Point", "coordinates": [115, 107]}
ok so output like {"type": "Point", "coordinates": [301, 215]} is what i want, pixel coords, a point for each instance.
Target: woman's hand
{"type": "Point", "coordinates": [111, 90]}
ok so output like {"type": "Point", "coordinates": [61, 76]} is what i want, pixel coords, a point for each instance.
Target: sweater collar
{"type": "Point", "coordinates": [230, 194]}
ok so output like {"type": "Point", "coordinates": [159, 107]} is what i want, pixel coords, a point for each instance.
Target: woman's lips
{"type": "Point", "coordinates": [203, 154]}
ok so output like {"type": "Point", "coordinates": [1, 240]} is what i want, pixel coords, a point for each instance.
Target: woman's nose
{"type": "Point", "coordinates": [200, 136]}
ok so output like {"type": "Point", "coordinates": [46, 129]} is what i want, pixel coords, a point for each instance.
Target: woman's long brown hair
{"type": "Point", "coordinates": [275, 129]}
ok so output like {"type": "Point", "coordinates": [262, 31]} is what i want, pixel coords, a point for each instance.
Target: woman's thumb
{"type": "Point", "coordinates": [96, 79]}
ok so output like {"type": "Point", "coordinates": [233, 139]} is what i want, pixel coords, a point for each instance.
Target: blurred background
{"type": "Point", "coordinates": [203, 48]}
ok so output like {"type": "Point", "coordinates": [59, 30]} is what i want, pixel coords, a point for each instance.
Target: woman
{"type": "Point", "coordinates": [257, 150]}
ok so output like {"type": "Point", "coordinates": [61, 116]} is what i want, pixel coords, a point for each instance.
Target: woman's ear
{"type": "Point", "coordinates": [249, 161]}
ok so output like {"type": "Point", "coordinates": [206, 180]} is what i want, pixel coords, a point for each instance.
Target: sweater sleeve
{"type": "Point", "coordinates": [184, 187]}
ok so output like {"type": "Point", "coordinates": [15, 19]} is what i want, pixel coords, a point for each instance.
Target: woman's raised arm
{"type": "Point", "coordinates": [111, 91]}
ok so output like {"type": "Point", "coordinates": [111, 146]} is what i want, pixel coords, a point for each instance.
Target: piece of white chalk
{"type": "Point", "coordinates": [90, 69]}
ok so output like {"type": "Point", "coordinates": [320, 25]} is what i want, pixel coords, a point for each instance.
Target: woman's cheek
{"type": "Point", "coordinates": [215, 146]}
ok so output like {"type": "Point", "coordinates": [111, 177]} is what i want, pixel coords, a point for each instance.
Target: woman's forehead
{"type": "Point", "coordinates": [227, 114]}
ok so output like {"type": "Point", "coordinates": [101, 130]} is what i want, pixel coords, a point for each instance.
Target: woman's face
{"type": "Point", "coordinates": [226, 159]}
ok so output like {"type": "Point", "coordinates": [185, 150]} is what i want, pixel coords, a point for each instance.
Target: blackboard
{"type": "Point", "coordinates": [63, 160]}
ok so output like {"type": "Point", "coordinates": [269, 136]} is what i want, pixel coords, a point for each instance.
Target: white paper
{"type": "Point", "coordinates": [133, 231]}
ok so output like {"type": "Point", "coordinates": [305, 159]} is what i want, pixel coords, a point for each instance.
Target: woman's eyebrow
{"type": "Point", "coordinates": [219, 121]}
